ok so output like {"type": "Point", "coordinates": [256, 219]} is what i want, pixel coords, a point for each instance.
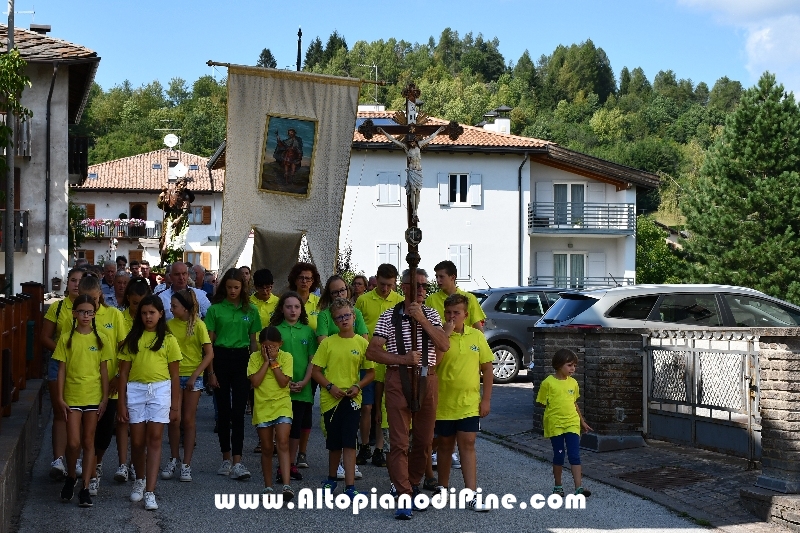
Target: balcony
{"type": "Point", "coordinates": [78, 159]}
{"type": "Point", "coordinates": [574, 282]}
{"type": "Point", "coordinates": [579, 218]}
{"type": "Point", "coordinates": [20, 231]}
{"type": "Point", "coordinates": [22, 136]}
{"type": "Point", "coordinates": [105, 228]}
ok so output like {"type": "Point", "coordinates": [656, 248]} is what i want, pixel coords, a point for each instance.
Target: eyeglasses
{"type": "Point", "coordinates": [340, 291]}
{"type": "Point", "coordinates": [305, 278]}
{"type": "Point", "coordinates": [264, 287]}
{"type": "Point", "coordinates": [342, 318]}
{"type": "Point", "coordinates": [80, 312]}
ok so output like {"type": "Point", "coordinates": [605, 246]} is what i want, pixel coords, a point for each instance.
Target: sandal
{"type": "Point", "coordinates": [559, 490]}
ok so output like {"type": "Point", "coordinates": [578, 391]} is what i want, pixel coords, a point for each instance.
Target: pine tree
{"type": "Point", "coordinates": [744, 212]}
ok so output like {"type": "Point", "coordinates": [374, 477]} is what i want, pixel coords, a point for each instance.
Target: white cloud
{"type": "Point", "coordinates": [771, 34]}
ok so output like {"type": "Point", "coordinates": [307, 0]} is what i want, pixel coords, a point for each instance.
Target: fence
{"type": "Point", "coordinates": [20, 230]}
{"type": "Point", "coordinates": [99, 229]}
{"type": "Point", "coordinates": [576, 282]}
{"type": "Point", "coordinates": [569, 217]}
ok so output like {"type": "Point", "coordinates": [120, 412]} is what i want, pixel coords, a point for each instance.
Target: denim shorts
{"type": "Point", "coordinates": [198, 384]}
{"type": "Point", "coordinates": [368, 392]}
{"type": "Point", "coordinates": [448, 428]}
{"type": "Point", "coordinates": [52, 369]}
{"type": "Point", "coordinates": [279, 420]}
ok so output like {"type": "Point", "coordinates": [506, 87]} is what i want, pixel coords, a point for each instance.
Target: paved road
{"type": "Point", "coordinates": [191, 506]}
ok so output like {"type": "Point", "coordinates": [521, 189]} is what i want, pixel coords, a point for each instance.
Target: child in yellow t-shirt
{"type": "Point", "coordinates": [563, 420]}
{"type": "Point", "coordinates": [337, 366]}
{"type": "Point", "coordinates": [149, 392]}
{"type": "Point", "coordinates": [82, 391]}
{"type": "Point", "coordinates": [270, 370]}
{"type": "Point", "coordinates": [461, 405]}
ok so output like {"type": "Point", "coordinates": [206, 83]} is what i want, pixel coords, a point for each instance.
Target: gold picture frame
{"type": "Point", "coordinates": [287, 158]}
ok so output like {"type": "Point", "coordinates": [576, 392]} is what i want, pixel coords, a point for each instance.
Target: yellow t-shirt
{"type": "Point", "coordinates": [148, 366]}
{"type": "Point", "coordinates": [271, 400]}
{"type": "Point", "coordinates": [82, 385]}
{"type": "Point", "coordinates": [459, 375]}
{"type": "Point", "coordinates": [127, 321]}
{"type": "Point", "coordinates": [341, 360]}
{"type": "Point", "coordinates": [436, 301]}
{"type": "Point", "coordinates": [63, 321]}
{"type": "Point", "coordinates": [265, 307]}
{"type": "Point", "coordinates": [312, 311]}
{"type": "Point", "coordinates": [559, 397]}
{"type": "Point", "coordinates": [109, 320]}
{"type": "Point", "coordinates": [191, 347]}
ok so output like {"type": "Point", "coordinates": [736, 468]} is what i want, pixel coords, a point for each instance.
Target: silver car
{"type": "Point", "coordinates": [661, 306]}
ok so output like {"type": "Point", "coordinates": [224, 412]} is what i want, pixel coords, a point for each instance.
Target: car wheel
{"type": "Point", "coordinates": [506, 364]}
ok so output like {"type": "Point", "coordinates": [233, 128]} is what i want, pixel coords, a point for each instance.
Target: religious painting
{"type": "Point", "coordinates": [288, 157]}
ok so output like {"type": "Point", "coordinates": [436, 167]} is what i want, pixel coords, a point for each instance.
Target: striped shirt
{"type": "Point", "coordinates": [385, 329]}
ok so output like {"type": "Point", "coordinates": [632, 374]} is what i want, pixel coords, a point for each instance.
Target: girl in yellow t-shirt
{"type": "Point", "coordinates": [563, 420]}
{"type": "Point", "coordinates": [192, 337]}
{"type": "Point", "coordinates": [149, 391]}
{"type": "Point", "coordinates": [270, 371]}
{"type": "Point", "coordinates": [82, 391]}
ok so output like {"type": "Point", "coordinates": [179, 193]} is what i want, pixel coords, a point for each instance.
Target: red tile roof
{"type": "Point", "coordinates": [34, 47]}
{"type": "Point", "coordinates": [136, 173]}
{"type": "Point", "coordinates": [472, 136]}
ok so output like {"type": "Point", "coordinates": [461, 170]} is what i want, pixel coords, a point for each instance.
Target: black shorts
{"type": "Point", "coordinates": [448, 428]}
{"type": "Point", "coordinates": [301, 418]}
{"type": "Point", "coordinates": [341, 425]}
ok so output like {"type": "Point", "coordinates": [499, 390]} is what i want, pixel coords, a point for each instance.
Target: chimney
{"type": "Point", "coordinates": [41, 29]}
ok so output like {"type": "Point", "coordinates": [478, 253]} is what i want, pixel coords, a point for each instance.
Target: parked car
{"type": "Point", "coordinates": [663, 306]}
{"type": "Point", "coordinates": [510, 311]}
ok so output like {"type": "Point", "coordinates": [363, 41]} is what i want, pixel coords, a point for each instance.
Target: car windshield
{"type": "Point", "coordinates": [567, 307]}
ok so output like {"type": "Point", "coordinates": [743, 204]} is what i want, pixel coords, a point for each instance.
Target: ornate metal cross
{"type": "Point", "coordinates": [412, 133]}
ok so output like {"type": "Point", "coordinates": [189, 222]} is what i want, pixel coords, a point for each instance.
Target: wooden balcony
{"type": "Point", "coordinates": [22, 136]}
{"type": "Point", "coordinates": [579, 218]}
{"type": "Point", "coordinates": [20, 230]}
{"type": "Point", "coordinates": [121, 229]}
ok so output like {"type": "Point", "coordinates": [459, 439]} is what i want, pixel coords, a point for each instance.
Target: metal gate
{"type": "Point", "coordinates": [701, 389]}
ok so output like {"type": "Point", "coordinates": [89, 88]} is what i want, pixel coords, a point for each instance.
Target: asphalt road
{"type": "Point", "coordinates": [191, 506]}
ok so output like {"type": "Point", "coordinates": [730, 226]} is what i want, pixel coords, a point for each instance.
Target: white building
{"type": "Point", "coordinates": [47, 157]}
{"type": "Point", "coordinates": [118, 194]}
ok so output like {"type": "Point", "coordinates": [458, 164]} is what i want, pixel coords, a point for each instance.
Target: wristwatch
{"type": "Point", "coordinates": [328, 386]}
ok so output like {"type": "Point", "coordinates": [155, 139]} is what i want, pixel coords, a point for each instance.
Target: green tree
{"type": "Point", "coordinates": [655, 261]}
{"type": "Point", "coordinates": [314, 54]}
{"type": "Point", "coordinates": [743, 213]}
{"type": "Point", "coordinates": [266, 59]}
{"type": "Point", "coordinates": [725, 95]}
{"type": "Point", "coordinates": [178, 92]}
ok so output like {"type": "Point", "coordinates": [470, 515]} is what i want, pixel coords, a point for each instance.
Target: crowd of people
{"type": "Point", "coordinates": [133, 351]}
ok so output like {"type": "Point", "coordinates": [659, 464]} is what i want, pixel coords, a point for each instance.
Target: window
{"type": "Point", "coordinates": [635, 308]}
{"type": "Point", "coordinates": [88, 209]}
{"type": "Point", "coordinates": [135, 255]}
{"type": "Point", "coordinates": [388, 188]}
{"type": "Point", "coordinates": [521, 303]}
{"type": "Point", "coordinates": [569, 270]}
{"type": "Point", "coordinates": [85, 254]}
{"type": "Point", "coordinates": [460, 190]}
{"type": "Point", "coordinates": [690, 309]}
{"type": "Point", "coordinates": [748, 312]}
{"type": "Point", "coordinates": [389, 252]}
{"type": "Point", "coordinates": [200, 214]}
{"type": "Point", "coordinates": [569, 202]}
{"type": "Point", "coordinates": [461, 256]}
{"type": "Point", "coordinates": [198, 258]}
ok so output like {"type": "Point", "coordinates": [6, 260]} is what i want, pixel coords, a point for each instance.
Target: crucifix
{"type": "Point", "coordinates": [412, 133]}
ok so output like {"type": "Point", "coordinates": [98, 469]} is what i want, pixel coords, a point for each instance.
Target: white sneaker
{"type": "Point", "coordinates": [169, 470]}
{"type": "Point", "coordinates": [359, 475]}
{"type": "Point", "coordinates": [340, 472]}
{"type": "Point", "coordinates": [138, 490]}
{"type": "Point", "coordinates": [479, 507]}
{"type": "Point", "coordinates": [225, 469]}
{"type": "Point", "coordinates": [94, 484]}
{"type": "Point", "coordinates": [58, 470]}
{"type": "Point", "coordinates": [98, 471]}
{"type": "Point", "coordinates": [456, 460]}
{"type": "Point", "coordinates": [79, 468]}
{"type": "Point", "coordinates": [121, 474]}
{"type": "Point", "coordinates": [186, 473]}
{"type": "Point", "coordinates": [240, 472]}
{"type": "Point", "coordinates": [434, 460]}
{"type": "Point", "coordinates": [150, 501]}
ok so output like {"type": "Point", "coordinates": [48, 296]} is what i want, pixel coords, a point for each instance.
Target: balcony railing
{"type": "Point", "coordinates": [98, 228]}
{"type": "Point", "coordinates": [20, 231]}
{"type": "Point", "coordinates": [22, 136]}
{"type": "Point", "coordinates": [573, 282]}
{"type": "Point", "coordinates": [78, 157]}
{"type": "Point", "coordinates": [583, 218]}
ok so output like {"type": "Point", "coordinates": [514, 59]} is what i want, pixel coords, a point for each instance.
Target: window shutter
{"type": "Point", "coordinates": [206, 214]}
{"type": "Point", "coordinates": [544, 268]}
{"type": "Point", "coordinates": [444, 189]}
{"type": "Point", "coordinates": [597, 193]}
{"type": "Point", "coordinates": [393, 184]}
{"type": "Point", "coordinates": [89, 210]}
{"type": "Point", "coordinates": [597, 265]}
{"type": "Point", "coordinates": [205, 260]}
{"type": "Point", "coordinates": [389, 252]}
{"type": "Point", "coordinates": [475, 189]}
{"type": "Point", "coordinates": [544, 192]}
{"type": "Point", "coordinates": [135, 255]}
{"type": "Point", "coordinates": [383, 192]}
{"type": "Point", "coordinates": [89, 255]}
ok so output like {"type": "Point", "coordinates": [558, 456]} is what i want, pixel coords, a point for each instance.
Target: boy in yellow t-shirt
{"type": "Point", "coordinates": [263, 299]}
{"type": "Point", "coordinates": [563, 420]}
{"type": "Point", "coordinates": [270, 371]}
{"type": "Point", "coordinates": [337, 366]}
{"type": "Point", "coordinates": [461, 405]}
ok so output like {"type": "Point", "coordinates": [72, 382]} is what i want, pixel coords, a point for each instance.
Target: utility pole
{"type": "Point", "coordinates": [8, 225]}
{"type": "Point", "coordinates": [299, 41]}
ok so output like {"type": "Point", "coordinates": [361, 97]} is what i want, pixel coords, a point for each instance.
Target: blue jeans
{"type": "Point", "coordinates": [569, 443]}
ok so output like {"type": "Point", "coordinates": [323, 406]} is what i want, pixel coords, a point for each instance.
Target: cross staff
{"type": "Point", "coordinates": [415, 133]}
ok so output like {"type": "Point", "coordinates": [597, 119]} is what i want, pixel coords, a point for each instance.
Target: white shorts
{"type": "Point", "coordinates": [149, 402]}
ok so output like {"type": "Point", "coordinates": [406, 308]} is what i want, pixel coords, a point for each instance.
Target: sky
{"type": "Point", "coordinates": [701, 40]}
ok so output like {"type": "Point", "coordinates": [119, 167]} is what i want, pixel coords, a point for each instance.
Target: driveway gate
{"type": "Point", "coordinates": [701, 388]}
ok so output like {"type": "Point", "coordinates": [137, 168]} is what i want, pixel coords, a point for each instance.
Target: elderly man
{"type": "Point", "coordinates": [179, 275]}
{"type": "Point", "coordinates": [199, 274]}
{"type": "Point", "coordinates": [107, 283]}
{"type": "Point", "coordinates": [393, 330]}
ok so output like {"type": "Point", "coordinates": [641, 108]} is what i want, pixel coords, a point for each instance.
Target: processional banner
{"type": "Point", "coordinates": [287, 158]}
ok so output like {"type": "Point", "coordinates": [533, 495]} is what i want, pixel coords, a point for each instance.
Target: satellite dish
{"type": "Point", "coordinates": [171, 140]}
{"type": "Point", "coordinates": [180, 169]}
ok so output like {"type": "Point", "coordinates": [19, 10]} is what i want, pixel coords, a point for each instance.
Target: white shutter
{"type": "Point", "coordinates": [383, 188]}
{"type": "Point", "coordinates": [393, 184]}
{"type": "Point", "coordinates": [461, 255]}
{"type": "Point", "coordinates": [389, 252]}
{"type": "Point", "coordinates": [596, 215]}
{"type": "Point", "coordinates": [544, 268]}
{"type": "Point", "coordinates": [597, 193]}
{"type": "Point", "coordinates": [544, 192]}
{"type": "Point", "coordinates": [597, 265]}
{"type": "Point", "coordinates": [444, 188]}
{"type": "Point", "coordinates": [475, 189]}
